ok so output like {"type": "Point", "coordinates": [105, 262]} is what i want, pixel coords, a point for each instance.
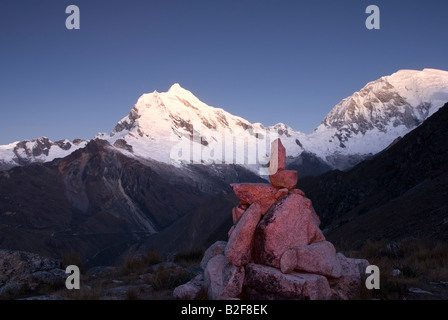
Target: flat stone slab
{"type": "Point", "coordinates": [284, 179]}
{"type": "Point", "coordinates": [319, 258]}
{"type": "Point", "coordinates": [269, 283]}
{"type": "Point", "coordinates": [262, 193]}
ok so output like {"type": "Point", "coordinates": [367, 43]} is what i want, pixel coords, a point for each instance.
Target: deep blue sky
{"type": "Point", "coordinates": [267, 61]}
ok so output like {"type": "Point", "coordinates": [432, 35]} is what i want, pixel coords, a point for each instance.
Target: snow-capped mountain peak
{"type": "Point", "coordinates": [370, 119]}
{"type": "Point", "coordinates": [159, 121]}
{"type": "Point", "coordinates": [177, 89]}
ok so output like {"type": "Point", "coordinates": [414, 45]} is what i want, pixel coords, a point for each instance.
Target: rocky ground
{"type": "Point", "coordinates": [29, 276]}
{"type": "Point", "coordinates": [25, 275]}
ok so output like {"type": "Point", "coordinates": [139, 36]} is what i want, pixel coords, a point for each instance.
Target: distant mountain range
{"type": "Point", "coordinates": [127, 189]}
{"type": "Point", "coordinates": [356, 128]}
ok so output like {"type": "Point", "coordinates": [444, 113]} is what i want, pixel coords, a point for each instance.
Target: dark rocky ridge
{"type": "Point", "coordinates": [99, 202]}
{"type": "Point", "coordinates": [308, 164]}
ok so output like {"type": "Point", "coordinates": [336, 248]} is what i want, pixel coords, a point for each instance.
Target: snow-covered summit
{"type": "Point", "coordinates": [159, 121]}
{"type": "Point", "coordinates": [372, 118]}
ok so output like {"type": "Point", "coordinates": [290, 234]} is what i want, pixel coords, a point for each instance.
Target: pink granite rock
{"type": "Point", "coordinates": [280, 193]}
{"type": "Point", "coordinates": [319, 258]}
{"type": "Point", "coordinates": [230, 230]}
{"type": "Point", "coordinates": [267, 283]}
{"type": "Point", "coordinates": [240, 246]}
{"type": "Point", "coordinates": [223, 280]}
{"type": "Point", "coordinates": [237, 212]}
{"type": "Point", "coordinates": [348, 285]}
{"type": "Point", "coordinates": [315, 216]}
{"type": "Point", "coordinates": [284, 179]}
{"type": "Point", "coordinates": [253, 192]}
{"type": "Point", "coordinates": [288, 261]}
{"type": "Point", "coordinates": [217, 248]}
{"type": "Point", "coordinates": [278, 157]}
{"type": "Point", "coordinates": [190, 290]}
{"type": "Point", "coordinates": [262, 193]}
{"type": "Point", "coordinates": [288, 223]}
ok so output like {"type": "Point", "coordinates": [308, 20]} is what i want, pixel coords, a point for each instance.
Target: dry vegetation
{"type": "Point", "coordinates": [142, 277]}
{"type": "Point", "coordinates": [422, 263]}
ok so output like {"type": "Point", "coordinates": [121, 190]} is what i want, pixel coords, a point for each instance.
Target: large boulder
{"type": "Point", "coordinates": [217, 248]}
{"type": "Point", "coordinates": [240, 246]}
{"type": "Point", "coordinates": [349, 284]}
{"type": "Point", "coordinates": [287, 224]}
{"type": "Point", "coordinates": [222, 279]}
{"type": "Point", "coordinates": [190, 290]}
{"type": "Point", "coordinates": [319, 258]}
{"type": "Point", "coordinates": [267, 283]}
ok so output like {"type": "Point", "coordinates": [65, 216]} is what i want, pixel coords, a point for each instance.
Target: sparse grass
{"type": "Point", "coordinates": [73, 257]}
{"type": "Point", "coordinates": [152, 258]}
{"type": "Point", "coordinates": [93, 293]}
{"type": "Point", "coordinates": [132, 264]}
{"type": "Point", "coordinates": [13, 293]}
{"type": "Point", "coordinates": [189, 258]}
{"type": "Point", "coordinates": [132, 294]}
{"type": "Point", "coordinates": [419, 261]}
{"type": "Point", "coordinates": [170, 278]}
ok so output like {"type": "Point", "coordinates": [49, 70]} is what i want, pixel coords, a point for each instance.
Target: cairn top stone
{"type": "Point", "coordinates": [278, 157]}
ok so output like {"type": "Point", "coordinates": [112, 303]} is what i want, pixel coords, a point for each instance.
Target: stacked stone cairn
{"type": "Point", "coordinates": [275, 249]}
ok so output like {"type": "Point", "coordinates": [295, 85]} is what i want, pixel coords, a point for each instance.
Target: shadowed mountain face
{"type": "Point", "coordinates": [98, 202]}
{"type": "Point", "coordinates": [401, 192]}
{"type": "Point", "coordinates": [308, 164]}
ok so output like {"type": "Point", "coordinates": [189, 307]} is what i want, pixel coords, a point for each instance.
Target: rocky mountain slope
{"type": "Point", "coordinates": [98, 202]}
{"type": "Point", "coordinates": [399, 193]}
